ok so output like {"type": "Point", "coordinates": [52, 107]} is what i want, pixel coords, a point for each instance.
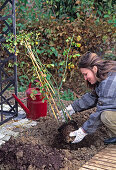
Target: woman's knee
{"type": "Point", "coordinates": [108, 117]}
{"type": "Point", "coordinates": [103, 116]}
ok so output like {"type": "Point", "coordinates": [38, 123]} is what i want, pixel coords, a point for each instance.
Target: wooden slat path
{"type": "Point", "coordinates": [104, 160]}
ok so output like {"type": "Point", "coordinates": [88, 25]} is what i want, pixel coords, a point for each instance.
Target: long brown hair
{"type": "Point", "coordinates": [89, 60]}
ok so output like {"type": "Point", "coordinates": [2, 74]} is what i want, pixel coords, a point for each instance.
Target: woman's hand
{"type": "Point", "coordinates": [69, 109]}
{"type": "Point", "coordinates": [79, 135]}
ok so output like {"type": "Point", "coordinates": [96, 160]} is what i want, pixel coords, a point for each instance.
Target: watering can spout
{"type": "Point", "coordinates": [21, 104]}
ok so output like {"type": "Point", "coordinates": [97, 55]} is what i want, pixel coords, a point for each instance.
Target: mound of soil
{"type": "Point", "coordinates": [43, 147]}
{"type": "Point", "coordinates": [16, 155]}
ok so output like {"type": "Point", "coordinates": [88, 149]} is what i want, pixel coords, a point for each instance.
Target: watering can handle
{"type": "Point", "coordinates": [31, 83]}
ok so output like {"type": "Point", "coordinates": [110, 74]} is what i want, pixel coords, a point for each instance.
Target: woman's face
{"type": "Point", "coordinates": [89, 75]}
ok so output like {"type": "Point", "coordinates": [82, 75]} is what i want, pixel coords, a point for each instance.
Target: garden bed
{"type": "Point", "coordinates": [42, 147]}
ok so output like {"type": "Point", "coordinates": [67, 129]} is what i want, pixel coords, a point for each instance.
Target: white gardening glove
{"type": "Point", "coordinates": [69, 109]}
{"type": "Point", "coordinates": [79, 135]}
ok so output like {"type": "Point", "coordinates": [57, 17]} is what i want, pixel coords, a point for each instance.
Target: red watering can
{"type": "Point", "coordinates": [35, 107]}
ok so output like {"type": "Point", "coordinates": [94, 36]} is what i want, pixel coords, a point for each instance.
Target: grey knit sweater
{"type": "Point", "coordinates": [104, 100]}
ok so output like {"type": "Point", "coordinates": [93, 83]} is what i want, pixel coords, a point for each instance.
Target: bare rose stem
{"type": "Point", "coordinates": [52, 108]}
{"type": "Point", "coordinates": [37, 66]}
{"type": "Point", "coordinates": [33, 57]}
{"type": "Point", "coordinates": [46, 81]}
{"type": "Point", "coordinates": [48, 89]}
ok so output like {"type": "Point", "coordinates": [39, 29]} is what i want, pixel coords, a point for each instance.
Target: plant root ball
{"type": "Point", "coordinates": [65, 129]}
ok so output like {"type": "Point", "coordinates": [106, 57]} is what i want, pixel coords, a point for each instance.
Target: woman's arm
{"type": "Point", "coordinates": [94, 121]}
{"type": "Point", "coordinates": [87, 101]}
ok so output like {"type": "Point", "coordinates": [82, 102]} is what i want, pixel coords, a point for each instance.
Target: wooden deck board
{"type": "Point", "coordinates": [104, 160]}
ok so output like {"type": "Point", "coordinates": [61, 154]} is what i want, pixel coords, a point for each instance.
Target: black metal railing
{"type": "Point", "coordinates": [8, 74]}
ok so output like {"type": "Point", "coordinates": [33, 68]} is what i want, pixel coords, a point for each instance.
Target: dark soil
{"type": "Point", "coordinates": [65, 129]}
{"type": "Point", "coordinates": [43, 147]}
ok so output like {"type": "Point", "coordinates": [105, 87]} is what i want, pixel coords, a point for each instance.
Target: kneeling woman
{"type": "Point", "coordinates": [100, 76]}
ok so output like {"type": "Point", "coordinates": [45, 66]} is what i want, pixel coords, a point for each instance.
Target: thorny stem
{"type": "Point", "coordinates": [48, 86]}
{"type": "Point", "coordinates": [66, 64]}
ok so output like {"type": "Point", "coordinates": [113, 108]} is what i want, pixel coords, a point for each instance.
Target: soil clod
{"type": "Point", "coordinates": [65, 130]}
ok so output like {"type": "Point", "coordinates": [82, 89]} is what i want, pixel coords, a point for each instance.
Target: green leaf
{"type": "Point", "coordinates": [106, 16]}
{"type": "Point", "coordinates": [61, 63]}
{"type": "Point", "coordinates": [21, 89]}
{"type": "Point", "coordinates": [110, 21]}
{"type": "Point", "coordinates": [54, 51]}
{"type": "Point", "coordinates": [50, 65]}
